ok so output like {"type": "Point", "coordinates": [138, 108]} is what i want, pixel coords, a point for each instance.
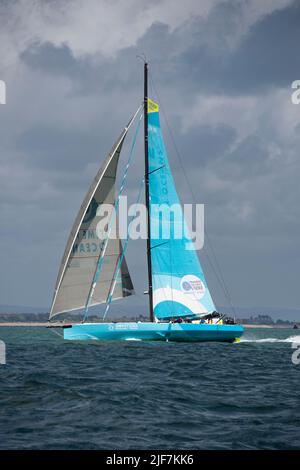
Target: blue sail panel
{"type": "Point", "coordinates": [179, 285]}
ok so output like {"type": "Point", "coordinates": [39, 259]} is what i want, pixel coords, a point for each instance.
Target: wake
{"type": "Point", "coordinates": [290, 339]}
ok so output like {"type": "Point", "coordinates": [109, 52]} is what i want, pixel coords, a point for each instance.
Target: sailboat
{"type": "Point", "coordinates": [94, 271]}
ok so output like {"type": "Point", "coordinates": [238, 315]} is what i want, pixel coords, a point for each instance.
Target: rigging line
{"type": "Point", "coordinates": [120, 260]}
{"type": "Point", "coordinates": [172, 272]}
{"type": "Point", "coordinates": [102, 253]}
{"type": "Point", "coordinates": [225, 288]}
{"type": "Point", "coordinates": [217, 275]}
{"type": "Point", "coordinates": [56, 333]}
{"type": "Point", "coordinates": [223, 284]}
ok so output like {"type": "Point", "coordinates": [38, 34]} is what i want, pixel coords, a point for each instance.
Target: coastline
{"type": "Point", "coordinates": [47, 324]}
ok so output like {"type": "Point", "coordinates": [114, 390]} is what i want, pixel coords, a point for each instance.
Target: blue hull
{"type": "Point", "coordinates": [146, 331]}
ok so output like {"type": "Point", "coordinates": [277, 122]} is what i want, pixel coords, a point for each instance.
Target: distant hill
{"type": "Point", "coordinates": [274, 313]}
{"type": "Point", "coordinates": [135, 307]}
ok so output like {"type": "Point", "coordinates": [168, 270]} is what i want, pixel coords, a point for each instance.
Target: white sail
{"type": "Point", "coordinates": [83, 247]}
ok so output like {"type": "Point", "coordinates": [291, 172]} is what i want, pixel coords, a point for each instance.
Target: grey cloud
{"type": "Point", "coordinates": [66, 108]}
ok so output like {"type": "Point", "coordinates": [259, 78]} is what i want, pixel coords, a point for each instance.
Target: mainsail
{"type": "Point", "coordinates": [84, 247]}
{"type": "Point", "coordinates": [179, 285]}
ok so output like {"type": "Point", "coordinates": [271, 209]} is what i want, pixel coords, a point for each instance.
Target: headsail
{"type": "Point", "coordinates": [83, 248]}
{"type": "Point", "coordinates": [179, 285]}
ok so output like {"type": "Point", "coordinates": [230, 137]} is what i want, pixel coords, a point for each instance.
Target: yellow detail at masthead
{"type": "Point", "coordinates": [152, 106]}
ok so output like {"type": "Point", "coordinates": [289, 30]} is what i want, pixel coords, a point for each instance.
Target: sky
{"type": "Point", "coordinates": [222, 71]}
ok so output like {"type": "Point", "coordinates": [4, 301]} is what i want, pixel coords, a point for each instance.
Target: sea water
{"type": "Point", "coordinates": [57, 394]}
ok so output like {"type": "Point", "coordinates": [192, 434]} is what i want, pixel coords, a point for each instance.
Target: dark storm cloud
{"type": "Point", "coordinates": [87, 77]}
{"type": "Point", "coordinates": [65, 150]}
{"type": "Point", "coordinates": [268, 55]}
{"type": "Point", "coordinates": [265, 57]}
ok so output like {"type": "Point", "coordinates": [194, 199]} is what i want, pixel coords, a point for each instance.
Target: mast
{"type": "Point", "coordinates": [147, 198]}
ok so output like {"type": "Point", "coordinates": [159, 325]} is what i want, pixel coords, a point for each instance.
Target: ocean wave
{"type": "Point", "coordinates": [290, 339]}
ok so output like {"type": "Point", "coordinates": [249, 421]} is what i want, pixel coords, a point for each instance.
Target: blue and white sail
{"type": "Point", "coordinates": [178, 283]}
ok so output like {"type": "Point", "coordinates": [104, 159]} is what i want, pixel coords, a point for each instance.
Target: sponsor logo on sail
{"type": "Point", "coordinates": [191, 284]}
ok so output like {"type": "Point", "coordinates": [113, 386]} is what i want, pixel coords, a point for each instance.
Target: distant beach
{"type": "Point", "coordinates": [34, 324]}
